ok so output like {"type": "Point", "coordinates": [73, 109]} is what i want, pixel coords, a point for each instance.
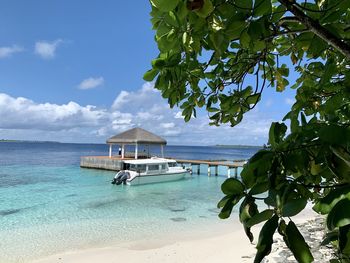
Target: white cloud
{"type": "Point", "coordinates": [9, 51]}
{"type": "Point", "coordinates": [289, 101]}
{"type": "Point", "coordinates": [91, 83]}
{"type": "Point", "coordinates": [47, 50]}
{"type": "Point", "coordinates": [139, 108]}
{"type": "Point", "coordinates": [22, 113]}
{"type": "Point", "coordinates": [168, 125]}
{"type": "Point", "coordinates": [269, 103]}
{"type": "Point", "coordinates": [145, 98]}
{"type": "Point", "coordinates": [178, 115]}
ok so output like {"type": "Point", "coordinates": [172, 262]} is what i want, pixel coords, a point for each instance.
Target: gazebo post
{"type": "Point", "coordinates": [162, 150]}
{"type": "Point", "coordinates": [110, 150]}
{"type": "Point", "coordinates": [123, 150]}
{"type": "Point", "coordinates": [136, 149]}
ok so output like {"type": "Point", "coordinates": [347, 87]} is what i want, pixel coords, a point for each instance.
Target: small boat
{"type": "Point", "coordinates": [146, 171]}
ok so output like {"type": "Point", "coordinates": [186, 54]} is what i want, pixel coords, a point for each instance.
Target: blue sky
{"type": "Point", "coordinates": [72, 71]}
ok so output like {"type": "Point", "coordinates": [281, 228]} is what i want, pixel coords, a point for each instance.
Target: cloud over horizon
{"type": "Point", "coordinates": [46, 49]}
{"type": "Point", "coordinates": [9, 51]}
{"type": "Point", "coordinates": [144, 108]}
{"type": "Point", "coordinates": [91, 83]}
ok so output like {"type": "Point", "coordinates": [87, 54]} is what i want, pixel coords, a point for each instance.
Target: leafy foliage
{"type": "Point", "coordinates": [210, 53]}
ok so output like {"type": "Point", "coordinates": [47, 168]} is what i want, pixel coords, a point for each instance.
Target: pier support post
{"type": "Point", "coordinates": [208, 170]}
{"type": "Point", "coordinates": [110, 150]}
{"type": "Point", "coordinates": [216, 170]}
{"type": "Point", "coordinates": [236, 172]}
{"type": "Point", "coordinates": [123, 151]}
{"type": "Point", "coordinates": [228, 172]}
{"type": "Point", "coordinates": [198, 169]}
{"type": "Point", "coordinates": [136, 150]}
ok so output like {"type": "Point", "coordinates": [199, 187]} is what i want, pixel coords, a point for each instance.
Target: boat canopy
{"type": "Point", "coordinates": [150, 161]}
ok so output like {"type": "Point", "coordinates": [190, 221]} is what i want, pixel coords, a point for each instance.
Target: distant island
{"type": "Point", "coordinates": [3, 140]}
{"type": "Point", "coordinates": [27, 141]}
{"type": "Point", "coordinates": [238, 146]}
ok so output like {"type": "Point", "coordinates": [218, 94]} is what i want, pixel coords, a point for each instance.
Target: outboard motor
{"type": "Point", "coordinates": [120, 177]}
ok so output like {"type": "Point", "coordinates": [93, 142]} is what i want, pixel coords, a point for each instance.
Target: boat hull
{"type": "Point", "coordinates": [157, 178]}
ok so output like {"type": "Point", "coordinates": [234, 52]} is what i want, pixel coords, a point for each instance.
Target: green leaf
{"type": "Point", "coordinates": [261, 217]}
{"type": "Point", "coordinates": [248, 233]}
{"type": "Point", "coordinates": [339, 215]}
{"type": "Point", "coordinates": [259, 188]}
{"type": "Point", "coordinates": [212, 109]}
{"type": "Point", "coordinates": [253, 99]}
{"type": "Point", "coordinates": [219, 41]}
{"type": "Point", "coordinates": [206, 9]}
{"type": "Point", "coordinates": [244, 5]}
{"type": "Point", "coordinates": [341, 153]}
{"type": "Point", "coordinates": [325, 204]}
{"type": "Point", "coordinates": [158, 63]}
{"type": "Point", "coordinates": [329, 237]}
{"type": "Point", "coordinates": [150, 74]}
{"type": "Point", "coordinates": [223, 201]}
{"type": "Point", "coordinates": [262, 7]}
{"type": "Point", "coordinates": [293, 207]}
{"type": "Point", "coordinates": [257, 167]}
{"type": "Point", "coordinates": [344, 240]}
{"type": "Point", "coordinates": [245, 39]}
{"type": "Point", "coordinates": [165, 5]}
{"type": "Point", "coordinates": [227, 209]}
{"type": "Point", "coordinates": [266, 239]}
{"type": "Point", "coordinates": [234, 29]}
{"type": "Point", "coordinates": [284, 71]}
{"type": "Point", "coordinates": [232, 186]}
{"type": "Point", "coordinates": [297, 244]}
{"type": "Point", "coordinates": [334, 134]}
{"type": "Point", "coordinates": [276, 133]}
{"type": "Point", "coordinates": [227, 203]}
{"type": "Point", "coordinates": [247, 209]}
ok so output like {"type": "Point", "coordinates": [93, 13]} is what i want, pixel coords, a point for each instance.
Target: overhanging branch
{"type": "Point", "coordinates": [317, 29]}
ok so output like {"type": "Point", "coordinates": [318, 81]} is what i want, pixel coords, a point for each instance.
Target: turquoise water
{"type": "Point", "coordinates": [48, 204]}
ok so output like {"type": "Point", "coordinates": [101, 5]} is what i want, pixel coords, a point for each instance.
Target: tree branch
{"type": "Point", "coordinates": [317, 29]}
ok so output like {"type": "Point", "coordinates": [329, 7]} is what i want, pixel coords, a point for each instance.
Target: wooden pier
{"type": "Point", "coordinates": [234, 165]}
{"type": "Point", "coordinates": [102, 162]}
{"type": "Point", "coordinates": [117, 164]}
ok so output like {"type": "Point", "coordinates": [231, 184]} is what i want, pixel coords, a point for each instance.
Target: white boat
{"type": "Point", "coordinates": [146, 171]}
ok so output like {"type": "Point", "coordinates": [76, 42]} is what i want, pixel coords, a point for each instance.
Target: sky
{"type": "Point", "coordinates": [71, 71]}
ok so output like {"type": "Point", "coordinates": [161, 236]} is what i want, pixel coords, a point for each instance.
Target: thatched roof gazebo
{"type": "Point", "coordinates": [135, 136]}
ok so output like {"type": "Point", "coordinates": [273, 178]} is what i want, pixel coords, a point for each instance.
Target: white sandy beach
{"type": "Point", "coordinates": [227, 243]}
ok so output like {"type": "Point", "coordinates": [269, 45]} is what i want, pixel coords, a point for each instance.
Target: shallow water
{"type": "Point", "coordinates": [48, 204]}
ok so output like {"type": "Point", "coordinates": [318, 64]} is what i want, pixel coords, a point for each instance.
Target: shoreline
{"type": "Point", "coordinates": [226, 242]}
{"type": "Point", "coordinates": [194, 246]}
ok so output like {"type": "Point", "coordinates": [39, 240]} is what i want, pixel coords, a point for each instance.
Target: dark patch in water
{"type": "Point", "coordinates": [214, 210]}
{"type": "Point", "coordinates": [178, 219]}
{"type": "Point", "coordinates": [8, 180]}
{"type": "Point", "coordinates": [158, 193]}
{"type": "Point", "coordinates": [202, 216]}
{"type": "Point", "coordinates": [101, 204]}
{"type": "Point", "coordinates": [177, 209]}
{"type": "Point", "coordinates": [17, 210]}
{"type": "Point", "coordinates": [9, 212]}
{"type": "Point", "coordinates": [71, 195]}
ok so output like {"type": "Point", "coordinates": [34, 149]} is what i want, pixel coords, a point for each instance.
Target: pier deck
{"type": "Point", "coordinates": [116, 163]}
{"type": "Point", "coordinates": [230, 165]}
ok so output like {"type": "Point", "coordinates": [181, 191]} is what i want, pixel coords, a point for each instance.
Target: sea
{"type": "Point", "coordinates": [49, 205]}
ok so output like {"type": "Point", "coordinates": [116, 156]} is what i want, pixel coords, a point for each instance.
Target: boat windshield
{"type": "Point", "coordinates": [140, 168]}
{"type": "Point", "coordinates": [172, 164]}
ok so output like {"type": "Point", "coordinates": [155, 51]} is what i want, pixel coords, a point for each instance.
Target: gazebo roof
{"type": "Point", "coordinates": [136, 135]}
